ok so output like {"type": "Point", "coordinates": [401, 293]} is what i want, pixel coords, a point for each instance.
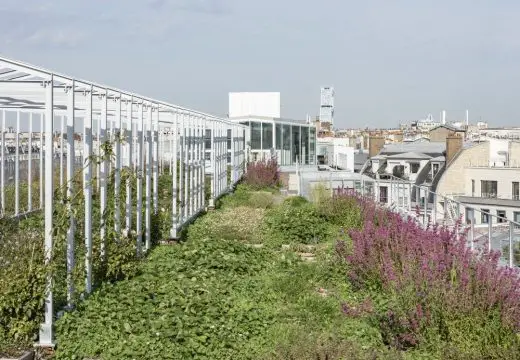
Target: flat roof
{"type": "Point", "coordinates": [265, 118]}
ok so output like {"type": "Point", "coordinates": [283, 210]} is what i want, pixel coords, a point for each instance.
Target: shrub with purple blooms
{"type": "Point", "coordinates": [436, 290]}
{"type": "Point", "coordinates": [262, 174]}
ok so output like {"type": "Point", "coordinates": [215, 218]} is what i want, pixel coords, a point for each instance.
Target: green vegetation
{"type": "Point", "coordinates": [248, 285]}
{"type": "Point", "coordinates": [261, 277]}
{"type": "Point", "coordinates": [217, 296]}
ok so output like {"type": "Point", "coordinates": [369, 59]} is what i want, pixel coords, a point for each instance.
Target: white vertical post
{"type": "Point", "coordinates": [129, 164]}
{"type": "Point", "coordinates": [156, 143]}
{"type": "Point", "coordinates": [490, 230]}
{"type": "Point", "coordinates": [173, 171]}
{"type": "Point", "coordinates": [181, 136]}
{"type": "Point", "coordinates": [187, 149]}
{"type": "Point", "coordinates": [46, 329]}
{"type": "Point", "coordinates": [425, 215]}
{"type": "Point", "coordinates": [192, 161]}
{"type": "Point", "coordinates": [29, 165]}
{"type": "Point", "coordinates": [62, 144]}
{"type": "Point", "coordinates": [102, 170]}
{"type": "Point", "coordinates": [87, 188]}
{"type": "Point", "coordinates": [70, 189]}
{"type": "Point", "coordinates": [42, 152]}
{"type": "Point", "coordinates": [199, 162]}
{"type": "Point", "coordinates": [470, 214]}
{"type": "Point", "coordinates": [173, 141]}
{"type": "Point", "coordinates": [149, 150]}
{"type": "Point", "coordinates": [203, 163]}
{"type": "Point", "coordinates": [2, 170]}
{"type": "Point", "coordinates": [140, 146]}
{"type": "Point", "coordinates": [98, 137]}
{"type": "Point", "coordinates": [213, 167]}
{"type": "Point", "coordinates": [117, 172]}
{"type": "Point", "coordinates": [17, 167]}
{"type": "Point", "coordinates": [511, 244]}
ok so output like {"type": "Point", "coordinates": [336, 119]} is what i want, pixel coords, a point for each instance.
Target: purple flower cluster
{"type": "Point", "coordinates": [434, 265]}
{"type": "Point", "coordinates": [262, 174]}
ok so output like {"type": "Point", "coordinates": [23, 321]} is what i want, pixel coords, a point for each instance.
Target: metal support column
{"type": "Point", "coordinates": [46, 330]}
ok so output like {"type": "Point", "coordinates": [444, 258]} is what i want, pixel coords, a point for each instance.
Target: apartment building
{"type": "Point", "coordinates": [417, 163]}
{"type": "Point", "coordinates": [485, 176]}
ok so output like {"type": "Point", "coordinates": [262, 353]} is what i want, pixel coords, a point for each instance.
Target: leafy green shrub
{"type": "Point", "coordinates": [238, 223]}
{"type": "Point", "coordinates": [23, 278]}
{"type": "Point", "coordinates": [296, 201]}
{"type": "Point", "coordinates": [302, 224]}
{"type": "Point", "coordinates": [342, 211]}
{"type": "Point", "coordinates": [188, 303]}
{"type": "Point", "coordinates": [244, 195]}
{"type": "Point", "coordinates": [261, 200]}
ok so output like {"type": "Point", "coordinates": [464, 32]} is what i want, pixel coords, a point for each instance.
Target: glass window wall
{"type": "Point", "coordinates": [286, 144]}
{"type": "Point", "coordinates": [229, 139]}
{"type": "Point", "coordinates": [305, 145]}
{"type": "Point", "coordinates": [296, 144]}
{"type": "Point", "coordinates": [267, 136]}
{"type": "Point", "coordinates": [278, 137]}
{"type": "Point", "coordinates": [312, 146]}
{"type": "Point", "coordinates": [256, 135]}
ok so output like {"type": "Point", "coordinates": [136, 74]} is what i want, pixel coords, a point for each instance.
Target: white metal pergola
{"type": "Point", "coordinates": [143, 131]}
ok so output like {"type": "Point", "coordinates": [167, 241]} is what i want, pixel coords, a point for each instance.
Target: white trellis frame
{"type": "Point", "coordinates": [76, 117]}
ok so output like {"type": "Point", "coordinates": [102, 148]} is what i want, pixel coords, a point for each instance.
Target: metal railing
{"type": "Point", "coordinates": [429, 208]}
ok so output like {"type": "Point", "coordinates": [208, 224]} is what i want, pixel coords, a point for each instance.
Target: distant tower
{"type": "Point", "coordinates": [327, 105]}
{"type": "Point", "coordinates": [443, 117]}
{"type": "Point", "coordinates": [467, 117]}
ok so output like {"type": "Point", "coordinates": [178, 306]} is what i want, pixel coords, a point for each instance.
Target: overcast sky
{"type": "Point", "coordinates": [389, 61]}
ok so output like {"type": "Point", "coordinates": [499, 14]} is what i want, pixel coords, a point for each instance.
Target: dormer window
{"type": "Point", "coordinates": [414, 168]}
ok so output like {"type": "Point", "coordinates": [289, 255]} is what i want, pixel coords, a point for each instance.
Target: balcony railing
{"type": "Point", "coordinates": [490, 195]}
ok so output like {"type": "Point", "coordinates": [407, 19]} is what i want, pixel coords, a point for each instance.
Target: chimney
{"type": "Point", "coordinates": [453, 146]}
{"type": "Point", "coordinates": [443, 120]}
{"type": "Point", "coordinates": [467, 117]}
{"type": "Point", "coordinates": [375, 144]}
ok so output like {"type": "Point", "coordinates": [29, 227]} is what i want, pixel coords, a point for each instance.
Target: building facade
{"type": "Point", "coordinates": [485, 176]}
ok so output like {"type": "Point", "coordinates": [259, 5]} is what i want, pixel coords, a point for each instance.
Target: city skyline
{"type": "Point", "coordinates": [388, 63]}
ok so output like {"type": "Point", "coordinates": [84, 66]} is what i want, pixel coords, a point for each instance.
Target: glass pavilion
{"type": "Point", "coordinates": [291, 141]}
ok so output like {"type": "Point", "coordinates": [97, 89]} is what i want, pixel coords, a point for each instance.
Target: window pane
{"type": "Point", "coordinates": [296, 150]}
{"type": "Point", "coordinates": [256, 134]}
{"type": "Point", "coordinates": [488, 188]}
{"type": "Point", "coordinates": [484, 216]}
{"type": "Point", "coordinates": [207, 139]}
{"type": "Point", "coordinates": [286, 145]}
{"type": "Point", "coordinates": [516, 190]}
{"type": "Point", "coordinates": [501, 214]}
{"type": "Point", "coordinates": [267, 133]}
{"type": "Point", "coordinates": [278, 136]}
{"type": "Point", "coordinates": [229, 139]}
{"type": "Point", "coordinates": [305, 145]}
{"type": "Point", "coordinates": [312, 145]}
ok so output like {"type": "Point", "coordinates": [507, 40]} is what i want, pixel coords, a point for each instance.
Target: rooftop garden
{"type": "Point", "coordinates": [271, 277]}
